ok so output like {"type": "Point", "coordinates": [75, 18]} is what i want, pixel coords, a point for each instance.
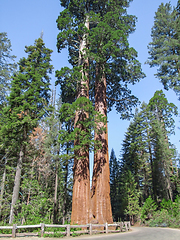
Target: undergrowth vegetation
{"type": "Point", "coordinates": [167, 214]}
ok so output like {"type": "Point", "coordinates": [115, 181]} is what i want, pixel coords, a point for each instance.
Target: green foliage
{"type": "Point", "coordinates": [38, 207]}
{"type": "Point", "coordinates": [149, 157]}
{"type": "Point", "coordinates": [68, 80]}
{"type": "Point", "coordinates": [135, 156]}
{"type": "Point", "coordinates": [55, 234]}
{"type": "Point", "coordinates": [115, 191]}
{"type": "Point", "coordinates": [29, 94]}
{"type": "Point", "coordinates": [162, 110]}
{"type": "Point", "coordinates": [26, 106]}
{"type": "Point", "coordinates": [164, 49]}
{"type": "Point", "coordinates": [85, 125]}
{"type": "Point", "coordinates": [107, 49]}
{"type": "Point", "coordinates": [167, 216]}
{"type": "Point", "coordinates": [132, 197]}
{"type": "Point", "coordinates": [148, 209]}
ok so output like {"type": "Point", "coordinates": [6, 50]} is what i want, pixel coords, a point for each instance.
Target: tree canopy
{"type": "Point", "coordinates": [164, 50]}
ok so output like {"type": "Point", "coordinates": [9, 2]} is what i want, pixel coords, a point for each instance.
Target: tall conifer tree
{"type": "Point", "coordinates": [147, 152]}
{"type": "Point", "coordinates": [162, 124]}
{"type": "Point", "coordinates": [29, 94]}
{"type": "Point", "coordinates": [164, 49]}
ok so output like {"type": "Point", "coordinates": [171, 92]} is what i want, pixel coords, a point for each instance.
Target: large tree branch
{"type": "Point", "coordinates": [75, 41]}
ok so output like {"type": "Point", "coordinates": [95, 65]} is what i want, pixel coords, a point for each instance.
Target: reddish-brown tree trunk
{"type": "Point", "coordinates": [81, 190]}
{"type": "Point", "coordinates": [101, 203]}
{"type": "Point", "coordinates": [81, 180]}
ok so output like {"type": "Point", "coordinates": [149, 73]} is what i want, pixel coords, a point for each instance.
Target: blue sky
{"type": "Point", "coordinates": [23, 20]}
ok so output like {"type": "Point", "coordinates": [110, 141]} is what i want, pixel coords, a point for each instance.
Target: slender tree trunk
{"type": "Point", "coordinates": [167, 163]}
{"type": "Point", "coordinates": [55, 195]}
{"type": "Point", "coordinates": [101, 204]}
{"type": "Point", "coordinates": [3, 183]}
{"type": "Point", "coordinates": [154, 190]}
{"type": "Point", "coordinates": [16, 185]}
{"type": "Point", "coordinates": [55, 220]}
{"type": "Point", "coordinates": [65, 185]}
{"type": "Point", "coordinates": [56, 191]}
{"type": "Point", "coordinates": [81, 181]}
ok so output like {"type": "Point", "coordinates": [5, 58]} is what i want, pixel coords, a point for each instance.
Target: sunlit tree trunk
{"type": "Point", "coordinates": [81, 180]}
{"type": "Point", "coordinates": [16, 185]}
{"type": "Point", "coordinates": [100, 192]}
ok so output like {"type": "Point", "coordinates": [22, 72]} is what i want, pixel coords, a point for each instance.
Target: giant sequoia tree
{"type": "Point", "coordinates": [96, 33]}
{"type": "Point", "coordinates": [73, 28]}
{"type": "Point", "coordinates": [115, 66]}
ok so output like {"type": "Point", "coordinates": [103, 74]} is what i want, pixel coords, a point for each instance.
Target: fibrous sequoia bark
{"type": "Point", "coordinates": [100, 192]}
{"type": "Point", "coordinates": [81, 181]}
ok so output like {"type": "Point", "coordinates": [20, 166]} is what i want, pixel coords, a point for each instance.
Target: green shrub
{"type": "Point", "coordinates": [160, 219]}
{"type": "Point", "coordinates": [148, 209]}
{"type": "Point", "coordinates": [167, 216]}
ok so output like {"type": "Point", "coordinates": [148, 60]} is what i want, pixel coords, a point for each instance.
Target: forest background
{"type": "Point", "coordinates": [25, 21]}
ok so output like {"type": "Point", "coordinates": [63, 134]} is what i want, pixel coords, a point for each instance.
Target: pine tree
{"type": "Point", "coordinates": [114, 185]}
{"type": "Point", "coordinates": [162, 124]}
{"type": "Point", "coordinates": [164, 49]}
{"type": "Point", "coordinates": [135, 156]}
{"type": "Point", "coordinates": [147, 153]}
{"type": "Point", "coordinates": [29, 94]}
{"type": "Point", "coordinates": [132, 198]}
